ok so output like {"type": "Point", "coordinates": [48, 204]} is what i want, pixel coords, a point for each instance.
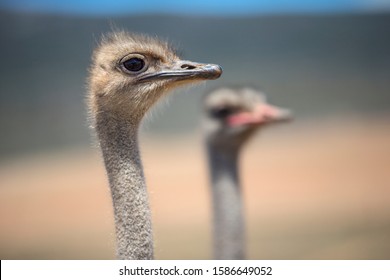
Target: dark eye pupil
{"type": "Point", "coordinates": [134, 64]}
{"type": "Point", "coordinates": [220, 112]}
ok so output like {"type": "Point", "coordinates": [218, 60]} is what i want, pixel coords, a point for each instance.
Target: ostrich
{"type": "Point", "coordinates": [129, 73]}
{"type": "Point", "coordinates": [231, 116]}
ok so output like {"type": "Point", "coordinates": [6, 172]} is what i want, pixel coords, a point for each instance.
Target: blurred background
{"type": "Point", "coordinates": [316, 188]}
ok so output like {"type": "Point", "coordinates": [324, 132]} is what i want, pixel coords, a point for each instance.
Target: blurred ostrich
{"type": "Point", "coordinates": [231, 117]}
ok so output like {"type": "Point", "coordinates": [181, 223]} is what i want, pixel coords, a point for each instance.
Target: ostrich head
{"type": "Point", "coordinates": [231, 115]}
{"type": "Point", "coordinates": [129, 73]}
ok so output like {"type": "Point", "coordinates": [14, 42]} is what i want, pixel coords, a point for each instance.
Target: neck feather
{"type": "Point", "coordinates": [119, 143]}
{"type": "Point", "coordinates": [227, 203]}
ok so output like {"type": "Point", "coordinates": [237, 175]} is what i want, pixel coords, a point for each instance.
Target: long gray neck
{"type": "Point", "coordinates": [229, 241]}
{"type": "Point", "coordinates": [119, 144]}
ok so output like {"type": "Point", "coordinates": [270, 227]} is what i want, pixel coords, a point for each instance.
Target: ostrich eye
{"type": "Point", "coordinates": [222, 112]}
{"type": "Point", "coordinates": [134, 64]}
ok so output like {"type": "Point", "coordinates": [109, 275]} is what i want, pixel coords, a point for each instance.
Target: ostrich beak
{"type": "Point", "coordinates": [185, 70]}
{"type": "Point", "coordinates": [262, 114]}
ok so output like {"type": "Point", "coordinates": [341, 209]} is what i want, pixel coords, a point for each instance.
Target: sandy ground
{"type": "Point", "coordinates": [312, 191]}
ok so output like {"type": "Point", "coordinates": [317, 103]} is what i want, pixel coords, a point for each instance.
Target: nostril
{"type": "Point", "coordinates": [188, 66]}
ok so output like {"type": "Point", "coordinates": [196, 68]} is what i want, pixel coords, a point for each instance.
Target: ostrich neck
{"type": "Point", "coordinates": [227, 203]}
{"type": "Point", "coordinates": [119, 144]}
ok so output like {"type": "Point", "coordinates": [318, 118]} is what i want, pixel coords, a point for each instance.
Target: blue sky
{"type": "Point", "coordinates": [208, 7]}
